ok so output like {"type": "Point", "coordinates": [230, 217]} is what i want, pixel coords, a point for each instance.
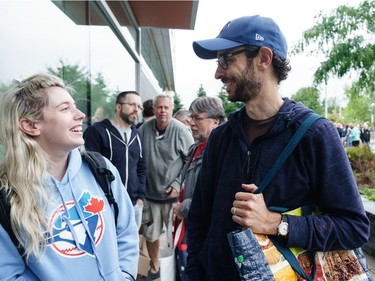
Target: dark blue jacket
{"type": "Point", "coordinates": [318, 172]}
{"type": "Point", "coordinates": [129, 159]}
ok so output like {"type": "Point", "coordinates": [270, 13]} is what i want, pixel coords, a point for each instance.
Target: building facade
{"type": "Point", "coordinates": [99, 47]}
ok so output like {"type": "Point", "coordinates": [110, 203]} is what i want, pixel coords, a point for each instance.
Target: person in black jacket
{"type": "Point", "coordinates": [251, 53]}
{"type": "Point", "coordinates": [365, 134]}
{"type": "Point", "coordinates": [119, 141]}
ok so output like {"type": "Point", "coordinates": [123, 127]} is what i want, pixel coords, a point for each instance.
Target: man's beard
{"type": "Point", "coordinates": [126, 118]}
{"type": "Point", "coordinates": [247, 85]}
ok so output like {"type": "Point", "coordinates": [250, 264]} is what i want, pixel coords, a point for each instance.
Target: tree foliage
{"type": "Point", "coordinates": [358, 109]}
{"type": "Point", "coordinates": [201, 92]}
{"type": "Point", "coordinates": [88, 90]}
{"type": "Point", "coordinates": [229, 106]}
{"type": "Point", "coordinates": [346, 39]}
{"type": "Point", "coordinates": [309, 96]}
{"type": "Point", "coordinates": [177, 102]}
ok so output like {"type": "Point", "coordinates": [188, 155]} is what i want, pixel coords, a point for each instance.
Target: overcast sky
{"type": "Point", "coordinates": [292, 16]}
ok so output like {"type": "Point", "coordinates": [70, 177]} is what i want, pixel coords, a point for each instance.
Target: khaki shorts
{"type": "Point", "coordinates": [162, 214]}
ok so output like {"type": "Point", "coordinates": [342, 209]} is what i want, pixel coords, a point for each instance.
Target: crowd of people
{"type": "Point", "coordinates": [353, 135]}
{"type": "Point", "coordinates": [202, 171]}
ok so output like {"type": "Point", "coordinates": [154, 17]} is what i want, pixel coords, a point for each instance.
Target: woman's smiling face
{"type": "Point", "coordinates": [60, 129]}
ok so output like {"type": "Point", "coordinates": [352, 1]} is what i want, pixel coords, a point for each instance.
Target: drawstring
{"type": "Point", "coordinates": [110, 144]}
{"type": "Point", "coordinates": [66, 218]}
{"type": "Point", "coordinates": [88, 233]}
{"type": "Point", "coordinates": [140, 146]}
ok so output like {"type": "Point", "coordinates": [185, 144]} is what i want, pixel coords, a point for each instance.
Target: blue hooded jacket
{"type": "Point", "coordinates": [85, 243]}
{"type": "Point", "coordinates": [317, 173]}
{"type": "Point", "coordinates": [129, 159]}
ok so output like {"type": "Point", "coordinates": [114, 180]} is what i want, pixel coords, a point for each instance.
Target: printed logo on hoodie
{"type": "Point", "coordinates": [70, 237]}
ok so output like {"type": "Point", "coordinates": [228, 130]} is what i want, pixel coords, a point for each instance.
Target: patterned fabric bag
{"type": "Point", "coordinates": [259, 257]}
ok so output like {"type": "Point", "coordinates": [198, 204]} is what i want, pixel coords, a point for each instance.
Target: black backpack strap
{"type": "Point", "coordinates": [103, 176]}
{"type": "Point", "coordinates": [5, 220]}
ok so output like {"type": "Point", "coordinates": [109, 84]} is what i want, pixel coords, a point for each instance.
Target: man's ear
{"type": "Point", "coordinates": [28, 127]}
{"type": "Point", "coordinates": [266, 55]}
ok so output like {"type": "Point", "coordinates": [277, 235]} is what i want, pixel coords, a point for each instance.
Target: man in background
{"type": "Point", "coordinates": [148, 111]}
{"type": "Point", "coordinates": [183, 115]}
{"type": "Point", "coordinates": [365, 134]}
{"type": "Point", "coordinates": [119, 141]}
{"type": "Point", "coordinates": [166, 145]}
{"type": "Point", "coordinates": [206, 113]}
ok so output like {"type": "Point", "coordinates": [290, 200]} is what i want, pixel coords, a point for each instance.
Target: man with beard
{"type": "Point", "coordinates": [251, 53]}
{"type": "Point", "coordinates": [119, 141]}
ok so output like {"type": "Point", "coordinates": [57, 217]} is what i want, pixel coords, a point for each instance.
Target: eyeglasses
{"type": "Point", "coordinates": [197, 118]}
{"type": "Point", "coordinates": [222, 59]}
{"type": "Point", "coordinates": [133, 104]}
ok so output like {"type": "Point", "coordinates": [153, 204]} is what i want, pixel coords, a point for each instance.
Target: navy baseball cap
{"type": "Point", "coordinates": [250, 30]}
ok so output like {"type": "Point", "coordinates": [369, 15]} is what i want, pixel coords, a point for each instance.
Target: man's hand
{"type": "Point", "coordinates": [176, 211]}
{"type": "Point", "coordinates": [250, 210]}
{"type": "Point", "coordinates": [172, 193]}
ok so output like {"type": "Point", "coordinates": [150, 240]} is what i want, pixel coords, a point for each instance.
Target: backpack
{"type": "Point", "coordinates": [102, 175]}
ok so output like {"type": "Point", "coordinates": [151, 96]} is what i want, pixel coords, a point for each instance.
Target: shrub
{"type": "Point", "coordinates": [362, 161]}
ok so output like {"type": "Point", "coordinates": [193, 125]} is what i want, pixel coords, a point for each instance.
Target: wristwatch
{"type": "Point", "coordinates": [283, 228]}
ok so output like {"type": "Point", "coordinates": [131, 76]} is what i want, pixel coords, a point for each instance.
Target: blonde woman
{"type": "Point", "coordinates": [58, 212]}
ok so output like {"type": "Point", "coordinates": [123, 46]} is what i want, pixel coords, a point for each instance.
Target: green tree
{"type": "Point", "coordinates": [228, 105]}
{"type": "Point", "coordinates": [309, 96]}
{"type": "Point", "coordinates": [346, 39]}
{"type": "Point", "coordinates": [201, 92]}
{"type": "Point", "coordinates": [5, 87]}
{"type": "Point", "coordinates": [89, 92]}
{"type": "Point", "coordinates": [358, 109]}
{"type": "Point", "coordinates": [177, 102]}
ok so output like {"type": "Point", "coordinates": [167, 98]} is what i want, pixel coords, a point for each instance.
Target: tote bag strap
{"type": "Point", "coordinates": [291, 258]}
{"type": "Point", "coordinates": [288, 150]}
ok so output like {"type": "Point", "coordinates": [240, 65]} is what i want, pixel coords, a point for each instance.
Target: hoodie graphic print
{"type": "Point", "coordinates": [69, 237]}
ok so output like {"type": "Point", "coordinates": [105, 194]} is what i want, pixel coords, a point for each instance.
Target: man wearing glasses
{"type": "Point", "coordinates": [119, 141]}
{"type": "Point", "coordinates": [206, 113]}
{"type": "Point", "coordinates": [251, 53]}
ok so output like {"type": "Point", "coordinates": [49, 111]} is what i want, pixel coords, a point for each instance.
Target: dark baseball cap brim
{"type": "Point", "coordinates": [207, 49]}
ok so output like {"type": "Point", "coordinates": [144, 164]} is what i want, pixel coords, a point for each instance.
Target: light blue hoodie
{"type": "Point", "coordinates": [86, 244]}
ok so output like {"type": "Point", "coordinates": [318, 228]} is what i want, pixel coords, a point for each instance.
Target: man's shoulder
{"type": "Point", "coordinates": [101, 126]}
{"type": "Point", "coordinates": [147, 126]}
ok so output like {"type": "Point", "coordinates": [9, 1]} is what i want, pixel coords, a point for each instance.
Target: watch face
{"type": "Point", "coordinates": [283, 228]}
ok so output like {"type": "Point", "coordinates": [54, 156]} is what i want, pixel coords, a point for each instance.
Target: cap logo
{"type": "Point", "coordinates": [225, 27]}
{"type": "Point", "coordinates": [259, 37]}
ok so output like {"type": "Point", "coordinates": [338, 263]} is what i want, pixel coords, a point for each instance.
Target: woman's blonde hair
{"type": "Point", "coordinates": [23, 171]}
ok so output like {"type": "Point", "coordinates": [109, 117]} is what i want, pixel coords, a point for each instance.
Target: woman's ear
{"type": "Point", "coordinates": [28, 127]}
